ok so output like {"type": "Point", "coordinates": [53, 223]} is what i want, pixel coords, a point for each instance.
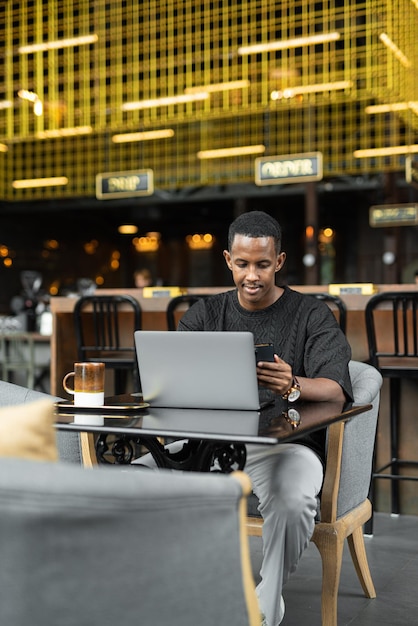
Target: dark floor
{"type": "Point", "coordinates": [393, 559]}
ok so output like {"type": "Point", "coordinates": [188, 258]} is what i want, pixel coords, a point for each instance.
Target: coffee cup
{"type": "Point", "coordinates": [89, 380]}
{"type": "Point", "coordinates": [85, 419]}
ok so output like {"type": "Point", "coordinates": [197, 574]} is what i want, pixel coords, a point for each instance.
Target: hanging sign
{"type": "Point", "coordinates": [393, 215]}
{"type": "Point", "coordinates": [124, 184]}
{"type": "Point", "coordinates": [411, 171]}
{"type": "Point", "coordinates": [290, 168]}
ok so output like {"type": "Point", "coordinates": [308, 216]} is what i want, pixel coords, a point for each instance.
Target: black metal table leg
{"type": "Point", "coordinates": [194, 455]}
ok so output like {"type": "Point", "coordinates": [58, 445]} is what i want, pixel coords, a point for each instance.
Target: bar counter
{"type": "Point", "coordinates": [63, 346]}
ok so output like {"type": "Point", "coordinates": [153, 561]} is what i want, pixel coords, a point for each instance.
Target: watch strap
{"type": "Point", "coordinates": [295, 386]}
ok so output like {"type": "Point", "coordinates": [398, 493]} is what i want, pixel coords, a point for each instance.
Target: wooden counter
{"type": "Point", "coordinates": [63, 343]}
{"type": "Point", "coordinates": [63, 355]}
{"type": "Point", "coordinates": [63, 348]}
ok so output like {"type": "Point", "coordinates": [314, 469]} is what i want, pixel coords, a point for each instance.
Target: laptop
{"type": "Point", "coordinates": [197, 370]}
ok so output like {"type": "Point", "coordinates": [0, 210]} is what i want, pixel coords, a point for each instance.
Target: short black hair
{"type": "Point", "coordinates": [256, 224]}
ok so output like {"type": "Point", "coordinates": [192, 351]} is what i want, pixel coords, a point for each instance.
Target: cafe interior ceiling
{"type": "Point", "coordinates": [195, 91]}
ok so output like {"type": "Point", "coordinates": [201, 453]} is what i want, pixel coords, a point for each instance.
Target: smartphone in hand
{"type": "Point", "coordinates": [264, 352]}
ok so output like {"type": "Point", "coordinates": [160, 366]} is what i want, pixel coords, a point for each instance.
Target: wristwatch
{"type": "Point", "coordinates": [293, 417]}
{"type": "Point", "coordinates": [293, 393]}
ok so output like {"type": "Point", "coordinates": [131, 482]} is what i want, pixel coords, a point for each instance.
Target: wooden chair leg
{"type": "Point", "coordinates": [330, 544]}
{"type": "Point", "coordinates": [358, 554]}
{"type": "Point", "coordinates": [88, 449]}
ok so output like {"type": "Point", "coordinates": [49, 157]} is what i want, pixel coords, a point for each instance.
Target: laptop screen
{"type": "Point", "coordinates": [205, 370]}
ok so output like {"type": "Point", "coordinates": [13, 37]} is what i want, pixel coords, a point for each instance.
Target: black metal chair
{"type": "Point", "coordinates": [392, 334]}
{"type": "Point", "coordinates": [335, 304]}
{"type": "Point", "coordinates": [184, 301]}
{"type": "Point", "coordinates": [104, 328]}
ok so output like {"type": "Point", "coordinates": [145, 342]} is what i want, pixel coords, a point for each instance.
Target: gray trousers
{"type": "Point", "coordinates": [286, 479]}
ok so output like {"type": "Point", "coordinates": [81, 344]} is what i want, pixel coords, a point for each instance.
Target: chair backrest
{"type": "Point", "coordinates": [392, 326]}
{"type": "Point", "coordinates": [100, 547]}
{"type": "Point", "coordinates": [359, 439]}
{"type": "Point", "coordinates": [184, 301]}
{"type": "Point", "coordinates": [335, 304]}
{"type": "Point", "coordinates": [68, 443]}
{"type": "Point", "coordinates": [101, 327]}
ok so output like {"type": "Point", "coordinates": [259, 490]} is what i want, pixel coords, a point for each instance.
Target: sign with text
{"type": "Point", "coordinates": [411, 170]}
{"type": "Point", "coordinates": [393, 215]}
{"type": "Point", "coordinates": [289, 168]}
{"type": "Point", "coordinates": [124, 184]}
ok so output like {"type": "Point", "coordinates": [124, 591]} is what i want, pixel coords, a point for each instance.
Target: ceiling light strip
{"type": "Point", "coordinates": [384, 38]}
{"type": "Point", "coordinates": [30, 183]}
{"type": "Point", "coordinates": [386, 108]}
{"type": "Point", "coordinates": [229, 152]}
{"type": "Point", "coordinates": [285, 44]}
{"type": "Point", "coordinates": [160, 102]}
{"type": "Point", "coordinates": [390, 108]}
{"type": "Point", "coordinates": [61, 43]}
{"type": "Point", "coordinates": [215, 87]}
{"type": "Point", "coordinates": [389, 151]}
{"type": "Point", "coordinates": [64, 132]}
{"type": "Point", "coordinates": [291, 92]}
{"type": "Point", "coordinates": [164, 133]}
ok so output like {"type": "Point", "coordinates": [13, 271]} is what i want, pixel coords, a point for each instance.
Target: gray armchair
{"type": "Point", "coordinates": [344, 505]}
{"type": "Point", "coordinates": [69, 444]}
{"type": "Point", "coordinates": [106, 547]}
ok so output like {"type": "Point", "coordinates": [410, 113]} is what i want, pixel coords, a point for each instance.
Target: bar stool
{"type": "Point", "coordinates": [335, 304]}
{"type": "Point", "coordinates": [184, 301]}
{"type": "Point", "coordinates": [392, 334]}
{"type": "Point", "coordinates": [104, 327]}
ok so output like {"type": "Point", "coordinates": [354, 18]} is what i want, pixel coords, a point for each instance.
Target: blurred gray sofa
{"type": "Point", "coordinates": [104, 547]}
{"type": "Point", "coordinates": [109, 546]}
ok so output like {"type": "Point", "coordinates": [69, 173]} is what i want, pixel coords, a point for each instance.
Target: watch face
{"type": "Point", "coordinates": [294, 417]}
{"type": "Point", "coordinates": [293, 395]}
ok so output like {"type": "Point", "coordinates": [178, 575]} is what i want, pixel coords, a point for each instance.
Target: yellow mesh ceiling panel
{"type": "Point", "coordinates": [294, 76]}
